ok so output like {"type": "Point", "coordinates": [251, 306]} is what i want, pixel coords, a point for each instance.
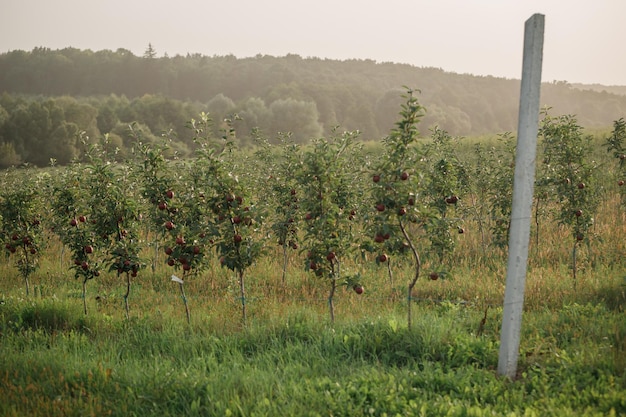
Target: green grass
{"type": "Point", "coordinates": [289, 360]}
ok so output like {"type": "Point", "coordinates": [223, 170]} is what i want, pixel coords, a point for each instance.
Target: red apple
{"type": "Point", "coordinates": [169, 194]}
{"type": "Point", "coordinates": [168, 251]}
{"type": "Point", "coordinates": [82, 219]}
{"type": "Point", "coordinates": [33, 251]}
{"type": "Point", "coordinates": [236, 219]}
{"type": "Point", "coordinates": [238, 238]}
{"type": "Point", "coordinates": [581, 185]}
{"type": "Point", "coordinates": [461, 230]}
{"type": "Point", "coordinates": [620, 182]}
{"type": "Point", "coordinates": [171, 262]}
{"type": "Point", "coordinates": [379, 239]}
{"type": "Point", "coordinates": [380, 207]}
{"type": "Point", "coordinates": [180, 240]}
{"type": "Point", "coordinates": [358, 289]}
{"type": "Point", "coordinates": [186, 267]}
{"type": "Point", "coordinates": [169, 225]}
{"type": "Point", "coordinates": [88, 249]}
{"type": "Point", "coordinates": [452, 199]}
{"type": "Point", "coordinates": [434, 276]}
{"type": "Point", "coordinates": [196, 250]}
{"type": "Point", "coordinates": [376, 178]}
{"type": "Point", "coordinates": [404, 176]}
{"type": "Point", "coordinates": [401, 211]}
{"type": "Point", "coordinates": [580, 237]}
{"type": "Point", "coordinates": [330, 256]}
{"type": "Point", "coordinates": [84, 266]}
{"type": "Point", "coordinates": [578, 213]}
{"type": "Point", "coordinates": [162, 205]}
{"type": "Point", "coordinates": [383, 258]}
{"type": "Point", "coordinates": [73, 222]}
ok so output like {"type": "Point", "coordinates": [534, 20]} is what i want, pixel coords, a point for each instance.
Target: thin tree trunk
{"type": "Point", "coordinates": [285, 260]}
{"type": "Point", "coordinates": [574, 264]}
{"type": "Point", "coordinates": [242, 293]}
{"type": "Point", "coordinates": [182, 293]}
{"type": "Point", "coordinates": [390, 272]}
{"type": "Point", "coordinates": [126, 296]}
{"type": "Point", "coordinates": [417, 271]}
{"type": "Point", "coordinates": [85, 296]}
{"type": "Point", "coordinates": [331, 304]}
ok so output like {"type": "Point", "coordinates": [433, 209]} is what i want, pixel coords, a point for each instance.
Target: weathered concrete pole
{"type": "Point", "coordinates": [523, 185]}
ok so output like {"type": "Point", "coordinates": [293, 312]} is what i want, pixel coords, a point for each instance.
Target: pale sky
{"type": "Point", "coordinates": [584, 40]}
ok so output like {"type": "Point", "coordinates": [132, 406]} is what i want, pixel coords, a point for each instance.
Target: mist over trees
{"type": "Point", "coordinates": [48, 96]}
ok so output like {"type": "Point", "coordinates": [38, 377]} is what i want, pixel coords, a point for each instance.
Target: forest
{"type": "Point", "coordinates": [47, 97]}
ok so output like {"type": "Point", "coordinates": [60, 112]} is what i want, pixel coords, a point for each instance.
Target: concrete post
{"type": "Point", "coordinates": [523, 185]}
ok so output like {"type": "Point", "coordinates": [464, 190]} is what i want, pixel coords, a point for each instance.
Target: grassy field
{"type": "Point", "coordinates": [289, 360]}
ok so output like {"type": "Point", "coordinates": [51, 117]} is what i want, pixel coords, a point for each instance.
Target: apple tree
{"type": "Point", "coordinates": [21, 230]}
{"type": "Point", "coordinates": [616, 143]}
{"type": "Point", "coordinates": [329, 201]}
{"type": "Point", "coordinates": [571, 174]}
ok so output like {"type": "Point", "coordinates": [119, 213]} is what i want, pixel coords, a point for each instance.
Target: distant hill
{"type": "Point", "coordinates": [613, 89]}
{"type": "Point", "coordinates": [290, 93]}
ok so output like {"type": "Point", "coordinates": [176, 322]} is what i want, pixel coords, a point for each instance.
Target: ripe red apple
{"type": "Point", "coordinates": [330, 256]}
{"type": "Point", "coordinates": [383, 258]}
{"type": "Point", "coordinates": [88, 249]}
{"type": "Point", "coordinates": [169, 225]}
{"type": "Point", "coordinates": [239, 199]}
{"type": "Point", "coordinates": [434, 276]}
{"type": "Point", "coordinates": [380, 207]}
{"type": "Point", "coordinates": [84, 266]}
{"type": "Point", "coordinates": [133, 274]}
{"type": "Point", "coordinates": [168, 251]}
{"type": "Point", "coordinates": [358, 289]}
{"type": "Point", "coordinates": [186, 267]}
{"type": "Point", "coordinates": [411, 201]}
{"type": "Point", "coordinates": [238, 238]}
{"type": "Point", "coordinates": [26, 240]}
{"type": "Point", "coordinates": [376, 178]}
{"type": "Point", "coordinates": [33, 251]}
{"type": "Point", "coordinates": [180, 240]}
{"type": "Point", "coordinates": [622, 156]}
{"type": "Point", "coordinates": [82, 219]}
{"type": "Point", "coordinates": [73, 222]}
{"type": "Point", "coordinates": [404, 176]}
{"type": "Point", "coordinates": [452, 199]}
{"type": "Point", "coordinates": [293, 191]}
{"type": "Point", "coordinates": [580, 237]}
{"type": "Point", "coordinates": [578, 213]}
{"type": "Point", "coordinates": [401, 211]}
{"type": "Point", "coordinates": [236, 219]}
{"type": "Point", "coordinates": [171, 262]}
{"type": "Point", "coordinates": [162, 205]}
{"type": "Point", "coordinates": [169, 194]}
{"type": "Point", "coordinates": [386, 236]}
{"type": "Point", "coordinates": [461, 230]}
{"type": "Point", "coordinates": [581, 185]}
{"type": "Point", "coordinates": [379, 239]}
{"type": "Point", "coordinates": [620, 182]}
{"type": "Point", "coordinates": [196, 250]}
{"type": "Point", "coordinates": [312, 266]}
{"type": "Point", "coordinates": [352, 212]}
{"type": "Point", "coordinates": [15, 237]}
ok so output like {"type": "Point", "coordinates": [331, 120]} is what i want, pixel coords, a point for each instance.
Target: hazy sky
{"type": "Point", "coordinates": [584, 40]}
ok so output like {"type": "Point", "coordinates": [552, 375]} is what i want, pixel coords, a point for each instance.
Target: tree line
{"type": "Point", "coordinates": [50, 95]}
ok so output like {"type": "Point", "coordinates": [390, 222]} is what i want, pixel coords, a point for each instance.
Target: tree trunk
{"type": "Point", "coordinates": [242, 293]}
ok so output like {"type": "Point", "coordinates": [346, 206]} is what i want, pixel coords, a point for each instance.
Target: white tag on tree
{"type": "Point", "coordinates": [176, 279]}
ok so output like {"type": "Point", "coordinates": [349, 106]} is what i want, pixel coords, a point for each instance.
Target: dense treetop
{"type": "Point", "coordinates": [50, 95]}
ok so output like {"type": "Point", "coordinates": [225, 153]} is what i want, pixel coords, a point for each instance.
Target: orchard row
{"type": "Point", "coordinates": [332, 201]}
